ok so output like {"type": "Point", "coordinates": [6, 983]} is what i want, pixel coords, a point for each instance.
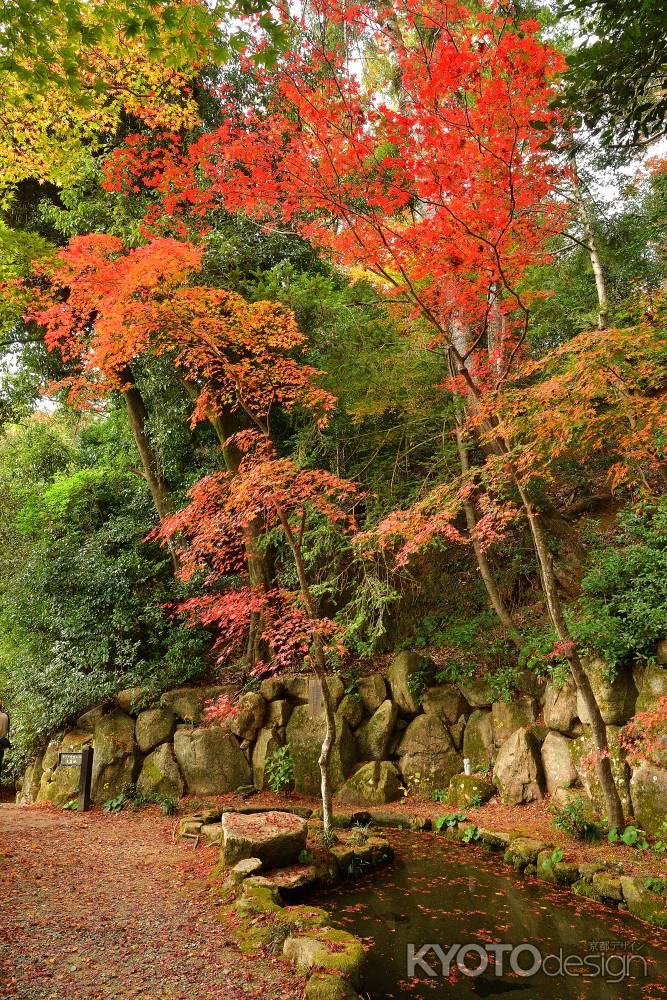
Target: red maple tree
{"type": "Point", "coordinates": [103, 309]}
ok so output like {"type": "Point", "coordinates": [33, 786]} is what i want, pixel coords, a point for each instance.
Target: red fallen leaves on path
{"type": "Point", "coordinates": [109, 906]}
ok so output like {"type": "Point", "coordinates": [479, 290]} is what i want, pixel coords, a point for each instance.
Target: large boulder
{"type": "Point", "coordinates": [267, 742]}
{"type": "Point", "coordinates": [559, 769]}
{"type": "Point", "coordinates": [276, 838]}
{"type": "Point", "coordinates": [584, 754]}
{"type": "Point", "coordinates": [129, 698]}
{"type": "Point", "coordinates": [373, 784]}
{"type": "Point", "coordinates": [295, 686]}
{"type": "Point", "coordinates": [469, 790]}
{"type": "Point", "coordinates": [211, 760]}
{"type": "Point", "coordinates": [372, 690]}
{"type": "Point", "coordinates": [517, 773]}
{"type": "Point", "coordinates": [116, 758]}
{"type": "Point", "coordinates": [271, 688]}
{"type": "Point", "coordinates": [615, 694]}
{"type": "Point", "coordinates": [648, 791]}
{"type": "Point", "coordinates": [154, 726]}
{"type": "Point", "coordinates": [651, 681]}
{"type": "Point", "coordinates": [277, 713]}
{"type": "Point", "coordinates": [160, 774]}
{"type": "Point", "coordinates": [447, 702]}
{"type": "Point", "coordinates": [246, 722]}
{"type": "Point", "coordinates": [305, 736]}
{"type": "Point", "coordinates": [351, 709]}
{"type": "Point", "coordinates": [478, 692]}
{"type": "Point", "coordinates": [478, 740]}
{"type": "Point", "coordinates": [510, 716]}
{"type": "Point", "coordinates": [560, 708]}
{"type": "Point", "coordinates": [408, 676]}
{"type": "Point", "coordinates": [32, 777]}
{"type": "Point", "coordinates": [427, 756]}
{"type": "Point", "coordinates": [188, 703]}
{"type": "Point", "coordinates": [58, 784]}
{"type": "Point", "coordinates": [373, 737]}
{"type": "Point", "coordinates": [86, 723]}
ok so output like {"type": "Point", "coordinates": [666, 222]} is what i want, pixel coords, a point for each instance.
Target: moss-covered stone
{"type": "Point", "coordinates": [373, 737]}
{"type": "Point", "coordinates": [582, 887]}
{"type": "Point", "coordinates": [651, 680]}
{"type": "Point", "coordinates": [447, 702]}
{"type": "Point", "coordinates": [258, 897]}
{"type": "Point", "coordinates": [304, 738]}
{"type": "Point", "coordinates": [160, 774]}
{"type": "Point", "coordinates": [372, 690]}
{"type": "Point", "coordinates": [608, 886]}
{"type": "Point", "coordinates": [648, 791]}
{"type": "Point", "coordinates": [154, 726]}
{"type": "Point", "coordinates": [211, 760]}
{"type": "Point", "coordinates": [478, 693]}
{"type": "Point", "coordinates": [510, 716]}
{"type": "Point", "coordinates": [116, 759]}
{"type": "Point", "coordinates": [276, 838]}
{"type": "Point", "coordinates": [644, 904]}
{"type": "Point", "coordinates": [559, 769]}
{"type": "Point", "coordinates": [304, 918]}
{"type": "Point", "coordinates": [468, 790]}
{"type": "Point", "coordinates": [428, 759]}
{"type": "Point", "coordinates": [615, 693]}
{"type": "Point", "coordinates": [351, 709]}
{"type": "Point", "coordinates": [560, 708]}
{"type": "Point", "coordinates": [478, 741]}
{"type": "Point", "coordinates": [59, 784]}
{"type": "Point", "coordinates": [373, 784]}
{"type": "Point", "coordinates": [497, 839]}
{"type": "Point", "coordinates": [327, 949]}
{"type": "Point", "coordinates": [187, 703]}
{"type": "Point", "coordinates": [409, 675]}
{"type": "Point", "coordinates": [524, 851]}
{"type": "Point", "coordinates": [267, 742]}
{"type": "Point", "coordinates": [583, 752]}
{"type": "Point", "coordinates": [322, 986]}
{"type": "Point", "coordinates": [517, 773]}
{"type": "Point", "coordinates": [248, 718]}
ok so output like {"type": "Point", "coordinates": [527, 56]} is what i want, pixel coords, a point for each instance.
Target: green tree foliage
{"type": "Point", "coordinates": [623, 610]}
{"type": "Point", "coordinates": [83, 607]}
{"type": "Point", "coordinates": [618, 74]}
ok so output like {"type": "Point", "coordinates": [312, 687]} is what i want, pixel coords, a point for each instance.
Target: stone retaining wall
{"type": "Point", "coordinates": [395, 732]}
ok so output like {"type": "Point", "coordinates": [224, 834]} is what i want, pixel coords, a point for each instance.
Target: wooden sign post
{"type": "Point", "coordinates": [84, 760]}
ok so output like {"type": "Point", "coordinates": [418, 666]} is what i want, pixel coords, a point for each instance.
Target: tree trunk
{"type": "Point", "coordinates": [495, 598]}
{"type": "Point", "coordinates": [589, 238]}
{"type": "Point", "coordinates": [138, 417]}
{"type": "Point", "coordinates": [603, 764]}
{"type": "Point", "coordinates": [319, 666]}
{"type": "Point", "coordinates": [459, 339]}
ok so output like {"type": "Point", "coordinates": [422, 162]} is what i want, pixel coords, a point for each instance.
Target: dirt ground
{"type": "Point", "coordinates": [109, 906]}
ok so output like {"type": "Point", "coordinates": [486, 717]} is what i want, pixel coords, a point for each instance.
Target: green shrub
{"type": "Point", "coordinates": [279, 770]}
{"type": "Point", "coordinates": [576, 819]}
{"type": "Point", "coordinates": [623, 611]}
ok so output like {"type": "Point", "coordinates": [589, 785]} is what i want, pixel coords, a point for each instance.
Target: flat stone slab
{"type": "Point", "coordinates": [276, 838]}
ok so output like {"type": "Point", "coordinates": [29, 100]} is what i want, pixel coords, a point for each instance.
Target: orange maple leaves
{"type": "Point", "coordinates": [106, 307]}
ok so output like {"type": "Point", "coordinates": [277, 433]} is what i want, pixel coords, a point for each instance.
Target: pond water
{"type": "Point", "coordinates": [442, 893]}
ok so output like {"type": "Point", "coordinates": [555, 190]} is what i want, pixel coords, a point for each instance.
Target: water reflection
{"type": "Point", "coordinates": [446, 894]}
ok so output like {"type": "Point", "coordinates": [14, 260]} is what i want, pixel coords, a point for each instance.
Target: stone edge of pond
{"type": "Point", "coordinates": [601, 882]}
{"type": "Point", "coordinates": [260, 918]}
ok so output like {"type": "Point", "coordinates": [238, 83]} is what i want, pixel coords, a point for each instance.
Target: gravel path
{"type": "Point", "coordinates": [95, 906]}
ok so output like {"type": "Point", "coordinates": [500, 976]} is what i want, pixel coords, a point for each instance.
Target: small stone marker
{"type": "Point", "coordinates": [84, 760]}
